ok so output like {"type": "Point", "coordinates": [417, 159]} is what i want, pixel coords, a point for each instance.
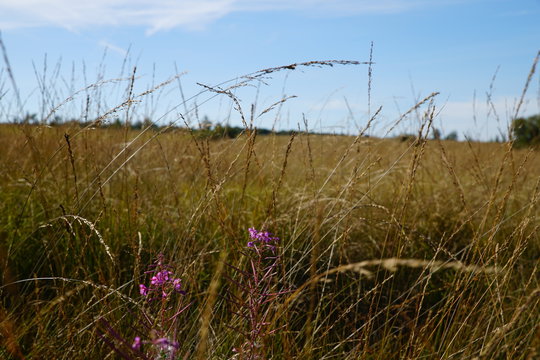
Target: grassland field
{"type": "Point", "coordinates": [420, 249]}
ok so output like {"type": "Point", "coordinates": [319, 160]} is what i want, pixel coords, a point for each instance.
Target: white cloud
{"type": "Point", "coordinates": [157, 15]}
{"type": "Point", "coordinates": [112, 47]}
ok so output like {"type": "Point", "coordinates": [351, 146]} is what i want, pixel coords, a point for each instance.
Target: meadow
{"type": "Point", "coordinates": [123, 243]}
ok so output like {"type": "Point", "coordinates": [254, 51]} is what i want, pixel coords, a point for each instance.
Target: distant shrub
{"type": "Point", "coordinates": [453, 136]}
{"type": "Point", "coordinates": [526, 131]}
{"type": "Point", "coordinates": [406, 137]}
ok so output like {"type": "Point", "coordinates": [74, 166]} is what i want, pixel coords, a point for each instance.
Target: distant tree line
{"type": "Point", "coordinates": [524, 131]}
{"type": "Point", "coordinates": [205, 129]}
{"type": "Point", "coordinates": [436, 134]}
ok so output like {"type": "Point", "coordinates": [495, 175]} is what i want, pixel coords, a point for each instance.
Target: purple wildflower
{"type": "Point", "coordinates": [166, 343]}
{"type": "Point", "coordinates": [253, 233]}
{"type": "Point", "coordinates": [162, 282]}
{"type": "Point", "coordinates": [257, 296]}
{"type": "Point", "coordinates": [143, 290]}
{"type": "Point", "coordinates": [159, 286]}
{"type": "Point", "coordinates": [161, 277]}
{"type": "Point", "coordinates": [263, 237]}
{"type": "Point", "coordinates": [177, 285]}
{"type": "Point", "coordinates": [136, 343]}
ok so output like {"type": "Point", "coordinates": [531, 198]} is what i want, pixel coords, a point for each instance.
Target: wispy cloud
{"type": "Point", "coordinates": [117, 49]}
{"type": "Point", "coordinates": [74, 15]}
{"type": "Point", "coordinates": [158, 15]}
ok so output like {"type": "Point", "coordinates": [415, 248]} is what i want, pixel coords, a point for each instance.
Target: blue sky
{"type": "Point", "coordinates": [454, 47]}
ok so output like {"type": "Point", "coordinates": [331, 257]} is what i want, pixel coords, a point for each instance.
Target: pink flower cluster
{"type": "Point", "coordinates": [164, 343]}
{"type": "Point", "coordinates": [263, 237]}
{"type": "Point", "coordinates": [162, 283]}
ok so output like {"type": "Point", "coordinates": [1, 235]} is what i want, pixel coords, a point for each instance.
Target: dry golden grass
{"type": "Point", "coordinates": [446, 231]}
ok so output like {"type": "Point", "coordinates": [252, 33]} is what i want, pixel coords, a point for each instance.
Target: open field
{"type": "Point", "coordinates": [420, 249]}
